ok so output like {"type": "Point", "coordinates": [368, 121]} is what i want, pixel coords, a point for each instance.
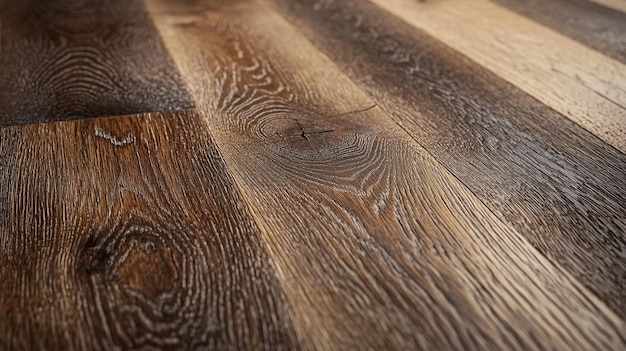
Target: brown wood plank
{"type": "Point", "coordinates": [558, 185]}
{"type": "Point", "coordinates": [575, 80]}
{"type": "Point", "coordinates": [63, 60]}
{"type": "Point", "coordinates": [378, 246]}
{"type": "Point", "coordinates": [594, 25]}
{"type": "Point", "coordinates": [128, 233]}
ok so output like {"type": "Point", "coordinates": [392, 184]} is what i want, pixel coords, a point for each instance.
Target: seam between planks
{"type": "Point", "coordinates": [90, 118]}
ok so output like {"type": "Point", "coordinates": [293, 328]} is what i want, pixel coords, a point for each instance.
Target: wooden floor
{"type": "Point", "coordinates": [313, 175]}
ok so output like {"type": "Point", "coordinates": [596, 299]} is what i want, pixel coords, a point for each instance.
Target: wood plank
{"type": "Point", "coordinates": [558, 185]}
{"type": "Point", "coordinates": [619, 5]}
{"type": "Point", "coordinates": [573, 79]}
{"type": "Point", "coordinates": [377, 245]}
{"type": "Point", "coordinates": [63, 60]}
{"type": "Point", "coordinates": [128, 233]}
{"type": "Point", "coordinates": [594, 25]}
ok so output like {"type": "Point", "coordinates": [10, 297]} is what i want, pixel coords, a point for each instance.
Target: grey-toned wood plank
{"type": "Point", "coordinates": [594, 25]}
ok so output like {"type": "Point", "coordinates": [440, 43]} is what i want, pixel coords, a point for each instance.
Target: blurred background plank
{"type": "Point", "coordinates": [599, 27]}
{"type": "Point", "coordinates": [573, 79]}
{"type": "Point", "coordinates": [63, 60]}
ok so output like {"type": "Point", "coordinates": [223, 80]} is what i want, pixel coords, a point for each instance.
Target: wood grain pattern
{"type": "Point", "coordinates": [594, 25]}
{"type": "Point", "coordinates": [558, 185]}
{"type": "Point", "coordinates": [128, 233]}
{"type": "Point", "coordinates": [578, 82]}
{"type": "Point", "coordinates": [378, 246]}
{"type": "Point", "coordinates": [63, 60]}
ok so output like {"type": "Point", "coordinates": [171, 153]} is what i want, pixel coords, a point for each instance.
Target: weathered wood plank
{"type": "Point", "coordinates": [579, 82]}
{"type": "Point", "coordinates": [64, 60]}
{"type": "Point", "coordinates": [558, 185]}
{"type": "Point", "coordinates": [594, 25]}
{"type": "Point", "coordinates": [128, 233]}
{"type": "Point", "coordinates": [377, 245]}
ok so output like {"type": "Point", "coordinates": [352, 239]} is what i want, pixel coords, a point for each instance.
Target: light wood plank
{"type": "Point", "coordinates": [573, 79]}
{"type": "Point", "coordinates": [128, 233]}
{"type": "Point", "coordinates": [377, 245]}
{"type": "Point", "coordinates": [557, 184]}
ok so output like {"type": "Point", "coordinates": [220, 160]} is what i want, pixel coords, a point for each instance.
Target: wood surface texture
{"type": "Point", "coordinates": [302, 148]}
{"type": "Point", "coordinates": [63, 60]}
{"type": "Point", "coordinates": [594, 25]}
{"type": "Point", "coordinates": [129, 233]}
{"type": "Point", "coordinates": [312, 175]}
{"type": "Point", "coordinates": [531, 166]}
{"type": "Point", "coordinates": [566, 75]}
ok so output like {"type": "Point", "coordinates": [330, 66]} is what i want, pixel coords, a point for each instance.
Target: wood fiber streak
{"type": "Point", "coordinates": [575, 80]}
{"type": "Point", "coordinates": [594, 25]}
{"type": "Point", "coordinates": [558, 185]}
{"type": "Point", "coordinates": [63, 60]}
{"type": "Point", "coordinates": [377, 245]}
{"type": "Point", "coordinates": [128, 233]}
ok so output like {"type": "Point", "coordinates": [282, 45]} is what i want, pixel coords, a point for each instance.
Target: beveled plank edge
{"type": "Point", "coordinates": [89, 118]}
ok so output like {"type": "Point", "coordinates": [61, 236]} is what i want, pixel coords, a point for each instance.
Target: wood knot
{"type": "Point", "coordinates": [135, 258]}
{"type": "Point", "coordinates": [99, 261]}
{"type": "Point", "coordinates": [94, 258]}
{"type": "Point", "coordinates": [150, 268]}
{"type": "Point", "coordinates": [298, 131]}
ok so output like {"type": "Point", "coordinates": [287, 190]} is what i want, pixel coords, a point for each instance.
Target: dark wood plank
{"type": "Point", "coordinates": [128, 233]}
{"type": "Point", "coordinates": [594, 25]}
{"type": "Point", "coordinates": [378, 246]}
{"type": "Point", "coordinates": [558, 185]}
{"type": "Point", "coordinates": [63, 60]}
